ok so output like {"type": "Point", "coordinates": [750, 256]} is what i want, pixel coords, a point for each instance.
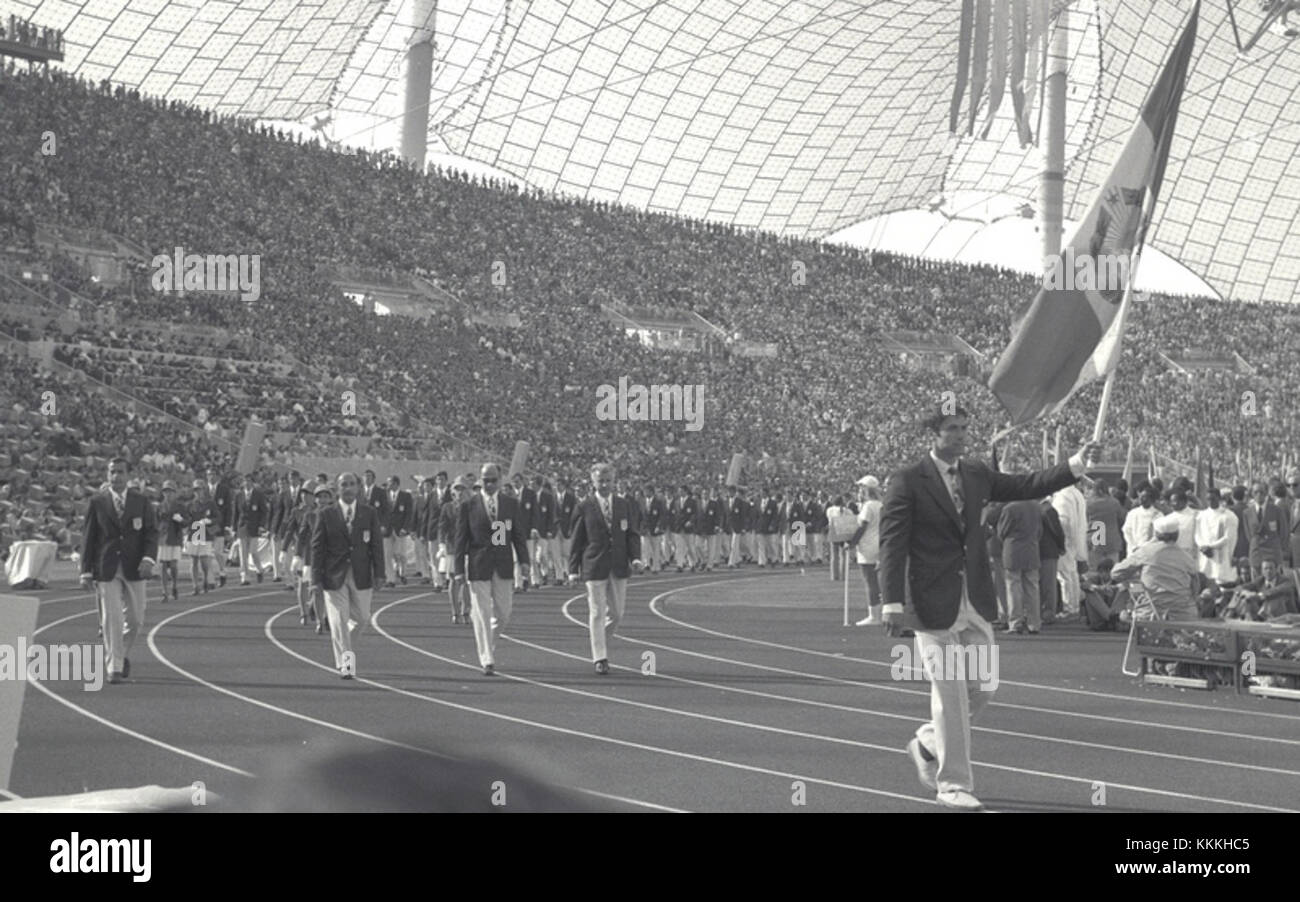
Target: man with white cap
{"type": "Point", "coordinates": [866, 539]}
{"type": "Point", "coordinates": [1166, 571]}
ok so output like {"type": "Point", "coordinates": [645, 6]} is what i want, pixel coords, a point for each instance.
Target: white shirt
{"type": "Point", "coordinates": [349, 510]}
{"type": "Point", "coordinates": [1187, 531]}
{"type": "Point", "coordinates": [869, 544]}
{"type": "Point", "coordinates": [490, 504]}
{"type": "Point", "coordinates": [1072, 508]}
{"type": "Point", "coordinates": [1138, 526]}
{"type": "Point", "coordinates": [1217, 529]}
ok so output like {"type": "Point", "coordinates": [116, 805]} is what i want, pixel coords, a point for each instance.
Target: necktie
{"type": "Point", "coordinates": [492, 507]}
{"type": "Point", "coordinates": [604, 509]}
{"type": "Point", "coordinates": [119, 505]}
{"type": "Point", "coordinates": [954, 482]}
{"type": "Point", "coordinates": [347, 517]}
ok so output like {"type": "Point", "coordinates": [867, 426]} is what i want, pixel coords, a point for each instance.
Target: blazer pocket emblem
{"type": "Point", "coordinates": [507, 524]}
{"type": "Point", "coordinates": [365, 535]}
{"type": "Point", "coordinates": [137, 524]}
{"type": "Point", "coordinates": [622, 524]}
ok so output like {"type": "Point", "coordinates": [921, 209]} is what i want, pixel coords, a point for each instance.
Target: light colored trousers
{"type": "Point", "coordinates": [121, 627]}
{"type": "Point", "coordinates": [955, 702]}
{"type": "Point", "coordinates": [1068, 569]}
{"type": "Point", "coordinates": [349, 613]}
{"type": "Point", "coordinates": [490, 603]}
{"type": "Point", "coordinates": [606, 599]}
{"type": "Point", "coordinates": [1023, 598]}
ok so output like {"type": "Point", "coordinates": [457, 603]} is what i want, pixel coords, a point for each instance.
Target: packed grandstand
{"type": "Point", "coordinates": [170, 381]}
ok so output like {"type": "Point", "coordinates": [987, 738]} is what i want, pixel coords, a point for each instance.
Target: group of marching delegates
{"type": "Point", "coordinates": [332, 542]}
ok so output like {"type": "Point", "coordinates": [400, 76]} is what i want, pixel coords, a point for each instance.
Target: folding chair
{"type": "Point", "coordinates": [1142, 604]}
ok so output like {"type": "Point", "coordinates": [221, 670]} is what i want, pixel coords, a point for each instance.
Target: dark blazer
{"type": "Point", "coordinates": [398, 516]}
{"type": "Point", "coordinates": [1020, 527]}
{"type": "Point", "coordinates": [568, 504]}
{"type": "Point", "coordinates": [197, 512]}
{"type": "Point", "coordinates": [545, 520]}
{"type": "Point", "coordinates": [474, 545]}
{"type": "Point", "coordinates": [925, 546]}
{"type": "Point", "coordinates": [712, 518]}
{"type": "Point", "coordinates": [767, 516]}
{"type": "Point", "coordinates": [170, 530]}
{"type": "Point", "coordinates": [448, 516]}
{"type": "Point", "coordinates": [1242, 548]}
{"type": "Point", "coordinates": [252, 514]}
{"type": "Point", "coordinates": [736, 514]}
{"type": "Point", "coordinates": [376, 496]}
{"type": "Point", "coordinates": [656, 522]}
{"type": "Point", "coordinates": [224, 500]}
{"type": "Point", "coordinates": [108, 543]}
{"type": "Point", "coordinates": [1266, 534]}
{"type": "Point", "coordinates": [528, 510]}
{"type": "Point", "coordinates": [1052, 542]}
{"type": "Point", "coordinates": [334, 549]}
{"type": "Point", "coordinates": [601, 549]}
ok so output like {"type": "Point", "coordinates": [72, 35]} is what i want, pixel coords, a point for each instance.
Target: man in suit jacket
{"type": "Point", "coordinates": [284, 542]}
{"type": "Point", "coordinates": [445, 531]}
{"type": "Point", "coordinates": [769, 552]}
{"type": "Point", "coordinates": [252, 515]}
{"type": "Point", "coordinates": [935, 577]}
{"type": "Point", "coordinates": [347, 562]}
{"type": "Point", "coordinates": [396, 522]}
{"type": "Point", "coordinates": [605, 545]}
{"type": "Point", "coordinates": [223, 499]}
{"type": "Point", "coordinates": [545, 566]}
{"type": "Point", "coordinates": [1265, 524]}
{"type": "Point", "coordinates": [372, 493]}
{"type": "Point", "coordinates": [1273, 594]}
{"type": "Point", "coordinates": [1105, 526]}
{"type": "Point", "coordinates": [487, 530]}
{"type": "Point", "coordinates": [1020, 527]}
{"type": "Point", "coordinates": [735, 526]}
{"type": "Point", "coordinates": [711, 524]}
{"type": "Point", "coordinates": [567, 503]}
{"type": "Point", "coordinates": [119, 546]}
{"type": "Point", "coordinates": [1293, 518]}
{"type": "Point", "coordinates": [1051, 548]}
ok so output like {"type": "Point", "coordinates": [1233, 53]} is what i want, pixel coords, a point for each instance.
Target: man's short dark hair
{"type": "Point", "coordinates": [935, 421]}
{"type": "Point", "coordinates": [442, 473]}
{"type": "Point", "coordinates": [126, 464]}
{"type": "Point", "coordinates": [1099, 486]}
{"type": "Point", "coordinates": [370, 473]}
{"type": "Point", "coordinates": [1238, 493]}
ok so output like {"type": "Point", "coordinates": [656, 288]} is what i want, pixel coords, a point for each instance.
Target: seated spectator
{"type": "Point", "coordinates": [1103, 600]}
{"type": "Point", "coordinates": [1272, 595]}
{"type": "Point", "coordinates": [1167, 573]}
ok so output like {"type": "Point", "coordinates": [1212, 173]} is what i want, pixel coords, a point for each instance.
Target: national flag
{"type": "Point", "coordinates": [1069, 337]}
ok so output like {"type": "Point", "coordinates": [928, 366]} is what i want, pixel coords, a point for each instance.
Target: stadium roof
{"type": "Point", "coordinates": [797, 116]}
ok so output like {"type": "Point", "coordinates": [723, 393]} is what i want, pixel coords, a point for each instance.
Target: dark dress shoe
{"type": "Point", "coordinates": [114, 678]}
{"type": "Point", "coordinates": [126, 667]}
{"type": "Point", "coordinates": [345, 674]}
{"type": "Point", "coordinates": [320, 627]}
{"type": "Point", "coordinates": [259, 577]}
{"type": "Point", "coordinates": [602, 667]}
{"type": "Point", "coordinates": [302, 621]}
{"type": "Point", "coordinates": [221, 581]}
{"type": "Point", "coordinates": [489, 670]}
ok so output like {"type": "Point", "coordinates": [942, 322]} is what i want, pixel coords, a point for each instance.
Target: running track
{"type": "Point", "coordinates": [755, 686]}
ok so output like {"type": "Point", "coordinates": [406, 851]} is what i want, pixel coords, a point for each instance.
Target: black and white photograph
{"type": "Point", "coordinates": [451, 407]}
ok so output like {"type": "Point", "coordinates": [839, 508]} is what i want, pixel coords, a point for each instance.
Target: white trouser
{"type": "Point", "coordinates": [490, 602]}
{"type": "Point", "coordinates": [955, 698]}
{"type": "Point", "coordinates": [349, 613]}
{"type": "Point", "coordinates": [605, 602]}
{"type": "Point", "coordinates": [121, 627]}
{"type": "Point", "coordinates": [1068, 570]}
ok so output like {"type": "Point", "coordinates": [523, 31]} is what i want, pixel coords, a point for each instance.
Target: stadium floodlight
{"type": "Point", "coordinates": [1276, 19]}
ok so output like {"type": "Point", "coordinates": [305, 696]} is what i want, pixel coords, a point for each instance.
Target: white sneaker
{"type": "Point", "coordinates": [926, 771]}
{"type": "Point", "coordinates": [959, 799]}
{"type": "Point", "coordinates": [869, 621]}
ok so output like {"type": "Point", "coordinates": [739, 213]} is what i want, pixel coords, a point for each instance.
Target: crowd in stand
{"type": "Point", "coordinates": [835, 401]}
